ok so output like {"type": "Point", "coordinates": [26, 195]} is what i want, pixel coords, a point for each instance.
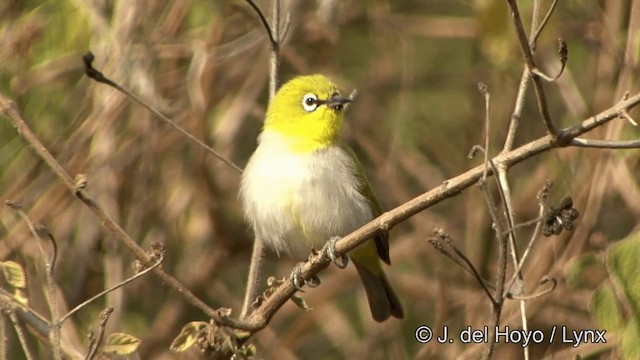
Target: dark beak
{"type": "Point", "coordinates": [338, 102]}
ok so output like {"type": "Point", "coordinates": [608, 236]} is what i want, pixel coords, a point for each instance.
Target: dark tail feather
{"type": "Point", "coordinates": [383, 301]}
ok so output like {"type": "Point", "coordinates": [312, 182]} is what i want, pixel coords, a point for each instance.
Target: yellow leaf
{"type": "Point", "coordinates": [120, 344]}
{"type": "Point", "coordinates": [188, 336]}
{"type": "Point", "coordinates": [14, 274]}
{"type": "Point", "coordinates": [21, 297]}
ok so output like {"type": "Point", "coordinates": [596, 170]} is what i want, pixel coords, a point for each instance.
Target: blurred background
{"type": "Point", "coordinates": [415, 64]}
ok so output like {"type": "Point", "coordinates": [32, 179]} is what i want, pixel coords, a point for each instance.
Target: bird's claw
{"type": "Point", "coordinates": [298, 280]}
{"type": "Point", "coordinates": [329, 251]}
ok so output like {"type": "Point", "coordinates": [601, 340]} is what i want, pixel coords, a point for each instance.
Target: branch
{"type": "Point", "coordinates": [536, 30]}
{"type": "Point", "coordinates": [96, 75]}
{"type": "Point", "coordinates": [531, 65]}
{"type": "Point", "coordinates": [119, 285]}
{"type": "Point", "coordinates": [450, 188]}
{"type": "Point", "coordinates": [261, 316]}
{"type": "Point", "coordinates": [273, 39]}
{"type": "Point", "coordinates": [8, 108]}
{"type": "Point", "coordinates": [257, 253]}
{"type": "Point", "coordinates": [96, 340]}
{"type": "Point", "coordinates": [606, 144]}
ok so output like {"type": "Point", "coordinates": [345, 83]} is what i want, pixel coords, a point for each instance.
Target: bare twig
{"type": "Point", "coordinates": [39, 231]}
{"type": "Point", "coordinates": [543, 281]}
{"type": "Point", "coordinates": [533, 39]}
{"type": "Point", "coordinates": [534, 236]}
{"type": "Point", "coordinates": [37, 323]}
{"type": "Point", "coordinates": [563, 52]}
{"type": "Point", "coordinates": [261, 316]}
{"type": "Point", "coordinates": [606, 144]}
{"type": "Point", "coordinates": [104, 292]}
{"type": "Point", "coordinates": [96, 75]}
{"type": "Point", "coordinates": [96, 340]}
{"type": "Point", "coordinates": [273, 39]}
{"type": "Point", "coordinates": [9, 109]}
{"type": "Point", "coordinates": [496, 308]}
{"type": "Point", "coordinates": [253, 278]}
{"type": "Point", "coordinates": [460, 259]}
{"type": "Point", "coordinates": [257, 254]}
{"type": "Point", "coordinates": [514, 122]}
{"type": "Point", "coordinates": [531, 65]}
{"type": "Point", "coordinates": [624, 114]}
{"type": "Point", "coordinates": [20, 332]}
{"type": "Point", "coordinates": [484, 90]}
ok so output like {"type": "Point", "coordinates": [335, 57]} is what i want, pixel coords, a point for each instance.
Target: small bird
{"type": "Point", "coordinates": [303, 186]}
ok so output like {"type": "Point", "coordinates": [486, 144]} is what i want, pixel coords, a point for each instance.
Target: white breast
{"type": "Point", "coordinates": [298, 201]}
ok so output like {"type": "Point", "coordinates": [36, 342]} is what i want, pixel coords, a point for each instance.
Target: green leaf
{"type": "Point", "coordinates": [623, 263]}
{"type": "Point", "coordinates": [14, 274]}
{"type": "Point", "coordinates": [629, 342]}
{"type": "Point", "coordinates": [298, 300]}
{"type": "Point", "coordinates": [605, 309]}
{"type": "Point", "coordinates": [188, 336]}
{"type": "Point", "coordinates": [120, 344]}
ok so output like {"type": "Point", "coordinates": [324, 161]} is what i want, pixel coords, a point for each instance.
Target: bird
{"type": "Point", "coordinates": [304, 187]}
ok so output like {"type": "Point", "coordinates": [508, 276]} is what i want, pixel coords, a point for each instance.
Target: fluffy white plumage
{"type": "Point", "coordinates": [296, 201]}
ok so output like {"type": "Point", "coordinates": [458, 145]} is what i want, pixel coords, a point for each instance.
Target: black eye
{"type": "Point", "coordinates": [309, 102]}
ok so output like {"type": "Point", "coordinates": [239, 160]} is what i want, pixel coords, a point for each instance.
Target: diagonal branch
{"type": "Point", "coordinates": [531, 64]}
{"type": "Point", "coordinates": [450, 188]}
{"type": "Point", "coordinates": [8, 108]}
{"type": "Point", "coordinates": [260, 317]}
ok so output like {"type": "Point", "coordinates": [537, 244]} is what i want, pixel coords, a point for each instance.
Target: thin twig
{"type": "Point", "coordinates": [20, 332]}
{"type": "Point", "coordinates": [274, 64]}
{"type": "Point", "coordinates": [624, 114]}
{"type": "Point", "coordinates": [484, 90]}
{"type": "Point", "coordinates": [96, 340]}
{"type": "Point", "coordinates": [606, 144]}
{"type": "Point", "coordinates": [525, 224]}
{"type": "Point", "coordinates": [257, 254]}
{"type": "Point", "coordinates": [544, 280]}
{"type": "Point", "coordinates": [563, 52]}
{"type": "Point", "coordinates": [273, 40]}
{"type": "Point", "coordinates": [39, 231]}
{"type": "Point", "coordinates": [496, 308]}
{"type": "Point", "coordinates": [533, 39]}
{"type": "Point", "coordinates": [534, 236]}
{"type": "Point", "coordinates": [528, 57]}
{"type": "Point", "coordinates": [37, 323]}
{"type": "Point", "coordinates": [9, 109]}
{"type": "Point", "coordinates": [514, 122]}
{"type": "Point", "coordinates": [460, 259]}
{"type": "Point", "coordinates": [536, 30]}
{"type": "Point", "coordinates": [3, 338]}
{"type": "Point", "coordinates": [253, 278]}
{"type": "Point", "coordinates": [96, 75]}
{"type": "Point", "coordinates": [104, 292]}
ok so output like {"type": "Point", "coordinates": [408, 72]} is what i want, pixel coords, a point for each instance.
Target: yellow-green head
{"type": "Point", "coordinates": [307, 111]}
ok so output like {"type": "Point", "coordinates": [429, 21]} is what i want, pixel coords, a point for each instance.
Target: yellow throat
{"type": "Point", "coordinates": [307, 112]}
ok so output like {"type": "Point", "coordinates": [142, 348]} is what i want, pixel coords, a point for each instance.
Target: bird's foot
{"type": "Point", "coordinates": [299, 281]}
{"type": "Point", "coordinates": [329, 252]}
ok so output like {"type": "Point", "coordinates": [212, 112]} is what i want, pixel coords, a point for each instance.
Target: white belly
{"type": "Point", "coordinates": [296, 202]}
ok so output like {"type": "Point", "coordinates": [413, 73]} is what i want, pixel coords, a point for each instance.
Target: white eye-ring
{"type": "Point", "coordinates": [309, 102]}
